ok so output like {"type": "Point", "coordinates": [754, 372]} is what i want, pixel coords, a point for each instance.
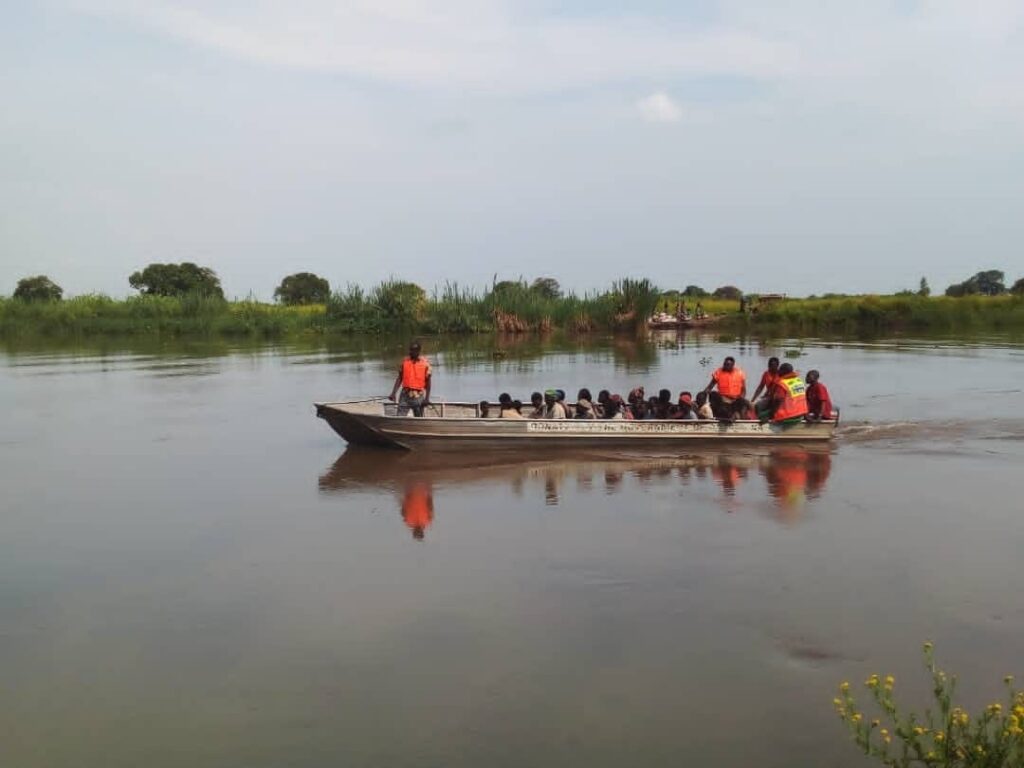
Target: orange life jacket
{"type": "Point", "coordinates": [794, 397]}
{"type": "Point", "coordinates": [415, 373]}
{"type": "Point", "coordinates": [730, 383]}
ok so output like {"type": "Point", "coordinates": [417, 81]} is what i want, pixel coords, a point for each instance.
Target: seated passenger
{"type": "Point", "coordinates": [768, 378]}
{"type": "Point", "coordinates": [819, 404]}
{"type": "Point", "coordinates": [485, 409]}
{"type": "Point", "coordinates": [637, 403]}
{"type": "Point", "coordinates": [742, 410]}
{"type": "Point", "coordinates": [584, 409]}
{"type": "Point", "coordinates": [536, 406]}
{"type": "Point", "coordinates": [602, 400]}
{"type": "Point", "coordinates": [663, 405]}
{"type": "Point", "coordinates": [508, 409]}
{"type": "Point", "coordinates": [552, 408]}
{"type": "Point", "coordinates": [651, 408]}
{"type": "Point", "coordinates": [704, 411]}
{"type": "Point", "coordinates": [788, 398]}
{"type": "Point", "coordinates": [613, 410]}
{"type": "Point", "coordinates": [684, 408]}
{"type": "Point", "coordinates": [517, 405]}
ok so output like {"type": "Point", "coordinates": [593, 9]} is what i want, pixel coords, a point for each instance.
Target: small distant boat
{"type": "Point", "coordinates": [459, 426]}
{"type": "Point", "coordinates": [669, 323]}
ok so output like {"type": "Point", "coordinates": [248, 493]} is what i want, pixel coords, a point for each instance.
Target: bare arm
{"type": "Point", "coordinates": [426, 397]}
{"type": "Point", "coordinates": [710, 386]}
{"type": "Point", "coordinates": [758, 390]}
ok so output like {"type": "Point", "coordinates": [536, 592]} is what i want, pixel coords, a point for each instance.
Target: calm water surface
{"type": "Point", "coordinates": [193, 570]}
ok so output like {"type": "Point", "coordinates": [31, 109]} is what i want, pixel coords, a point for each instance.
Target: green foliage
{"type": "Point", "coordinates": [399, 301]}
{"type": "Point", "coordinates": [728, 292]}
{"type": "Point", "coordinates": [303, 288]}
{"type": "Point", "coordinates": [695, 292]}
{"type": "Point", "coordinates": [176, 280]}
{"type": "Point", "coordinates": [1018, 288]}
{"type": "Point", "coordinates": [38, 288]}
{"type": "Point", "coordinates": [546, 287]}
{"type": "Point", "coordinates": [923, 288]}
{"type": "Point", "coordinates": [991, 282]}
{"type": "Point", "coordinates": [946, 737]}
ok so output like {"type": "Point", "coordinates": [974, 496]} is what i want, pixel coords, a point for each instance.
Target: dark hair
{"type": "Point", "coordinates": [813, 372]}
{"type": "Point", "coordinates": [702, 397]}
{"type": "Point", "coordinates": [536, 396]}
{"type": "Point", "coordinates": [730, 358]}
{"type": "Point", "coordinates": [604, 396]}
{"type": "Point", "coordinates": [786, 368]}
{"type": "Point", "coordinates": [485, 408]}
{"type": "Point", "coordinates": [559, 395]}
{"type": "Point", "coordinates": [505, 398]}
{"type": "Point", "coordinates": [584, 394]}
{"type": "Point", "coordinates": [517, 404]}
{"type": "Point", "coordinates": [611, 408]}
{"type": "Point", "coordinates": [773, 360]}
{"type": "Point", "coordinates": [664, 396]}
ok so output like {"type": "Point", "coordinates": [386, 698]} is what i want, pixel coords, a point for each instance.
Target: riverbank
{"type": "Point", "coordinates": [455, 311]}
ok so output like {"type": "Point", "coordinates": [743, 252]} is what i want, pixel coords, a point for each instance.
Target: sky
{"type": "Point", "coordinates": [798, 146]}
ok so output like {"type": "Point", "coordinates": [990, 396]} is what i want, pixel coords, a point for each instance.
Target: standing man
{"type": "Point", "coordinates": [788, 397]}
{"type": "Point", "coordinates": [730, 380]}
{"type": "Point", "coordinates": [414, 379]}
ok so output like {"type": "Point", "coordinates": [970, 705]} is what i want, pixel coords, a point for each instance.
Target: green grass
{"type": "Point", "coordinates": [393, 307]}
{"type": "Point", "coordinates": [886, 314]}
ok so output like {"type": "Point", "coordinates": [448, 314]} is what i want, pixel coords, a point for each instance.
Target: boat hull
{"type": "Point", "coordinates": [368, 423]}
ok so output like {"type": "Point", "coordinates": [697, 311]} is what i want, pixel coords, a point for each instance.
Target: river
{"type": "Point", "coordinates": [194, 571]}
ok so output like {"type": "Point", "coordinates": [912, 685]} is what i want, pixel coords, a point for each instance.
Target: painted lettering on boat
{"type": "Point", "coordinates": [634, 427]}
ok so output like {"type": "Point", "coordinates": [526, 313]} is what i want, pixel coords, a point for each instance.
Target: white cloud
{"type": "Point", "coordinates": [483, 45]}
{"type": "Point", "coordinates": [659, 108]}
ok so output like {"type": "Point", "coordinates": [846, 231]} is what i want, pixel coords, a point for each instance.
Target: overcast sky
{"type": "Point", "coordinates": [799, 146]}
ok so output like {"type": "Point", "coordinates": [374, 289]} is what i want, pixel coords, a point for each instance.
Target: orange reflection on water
{"type": "Point", "coordinates": [792, 476]}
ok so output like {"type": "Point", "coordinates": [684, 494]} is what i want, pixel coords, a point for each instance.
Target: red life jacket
{"type": "Point", "coordinates": [415, 372]}
{"type": "Point", "coordinates": [793, 393]}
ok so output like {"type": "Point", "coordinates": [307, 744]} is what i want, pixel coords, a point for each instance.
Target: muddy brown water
{"type": "Point", "coordinates": [194, 571]}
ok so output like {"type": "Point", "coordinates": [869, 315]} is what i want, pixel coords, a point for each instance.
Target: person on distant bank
{"type": "Point", "coordinates": [819, 404]}
{"type": "Point", "coordinates": [414, 380]}
{"type": "Point", "coordinates": [730, 380]}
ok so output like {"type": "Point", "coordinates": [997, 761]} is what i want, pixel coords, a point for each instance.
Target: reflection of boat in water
{"type": "Point", "coordinates": [792, 474]}
{"type": "Point", "coordinates": [457, 426]}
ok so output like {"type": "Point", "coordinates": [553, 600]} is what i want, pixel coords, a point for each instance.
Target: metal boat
{"type": "Point", "coordinates": [459, 426]}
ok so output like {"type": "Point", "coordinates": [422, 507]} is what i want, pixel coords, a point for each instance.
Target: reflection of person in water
{"type": "Point", "coordinates": [795, 475]}
{"type": "Point", "coordinates": [418, 508]}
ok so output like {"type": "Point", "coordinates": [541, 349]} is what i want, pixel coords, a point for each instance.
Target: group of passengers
{"type": "Point", "coordinates": [781, 396]}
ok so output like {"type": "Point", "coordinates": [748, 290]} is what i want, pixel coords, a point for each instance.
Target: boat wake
{"type": "Point", "coordinates": [953, 430]}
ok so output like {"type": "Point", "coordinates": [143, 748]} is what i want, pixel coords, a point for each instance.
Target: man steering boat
{"type": "Point", "coordinates": [414, 380]}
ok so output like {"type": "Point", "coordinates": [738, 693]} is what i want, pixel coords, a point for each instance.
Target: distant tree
{"type": "Point", "coordinates": [176, 280]}
{"type": "Point", "coordinates": [38, 288]}
{"type": "Point", "coordinates": [991, 282]}
{"type": "Point", "coordinates": [507, 286]}
{"type": "Point", "coordinates": [923, 288]}
{"type": "Point", "coordinates": [1018, 288]}
{"type": "Point", "coordinates": [695, 292]}
{"type": "Point", "coordinates": [399, 300]}
{"type": "Point", "coordinates": [303, 288]}
{"type": "Point", "coordinates": [547, 287]}
{"type": "Point", "coordinates": [730, 292]}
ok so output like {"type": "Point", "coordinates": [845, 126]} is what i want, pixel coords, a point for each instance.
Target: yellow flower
{"type": "Point", "coordinates": [979, 749]}
{"type": "Point", "coordinates": [837, 702]}
{"type": "Point", "coordinates": [1008, 679]}
{"type": "Point", "coordinates": [857, 717]}
{"type": "Point", "coordinates": [890, 681]}
{"type": "Point", "coordinates": [872, 682]}
{"type": "Point", "coordinates": [918, 730]}
{"type": "Point", "coordinates": [928, 646]}
{"type": "Point", "coordinates": [875, 723]}
{"type": "Point", "coordinates": [844, 686]}
{"type": "Point", "coordinates": [940, 736]}
{"type": "Point", "coordinates": [930, 756]}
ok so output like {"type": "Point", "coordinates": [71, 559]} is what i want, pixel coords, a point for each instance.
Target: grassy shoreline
{"type": "Point", "coordinates": [455, 311]}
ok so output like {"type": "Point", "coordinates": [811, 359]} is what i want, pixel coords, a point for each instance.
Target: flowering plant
{"type": "Point", "coordinates": [949, 737]}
